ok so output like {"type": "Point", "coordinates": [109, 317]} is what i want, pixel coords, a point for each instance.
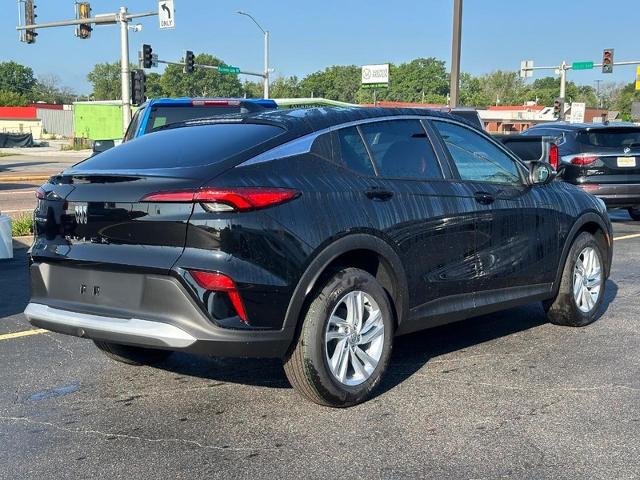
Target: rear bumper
{"type": "Point", "coordinates": [614, 194]}
{"type": "Point", "coordinates": [139, 309]}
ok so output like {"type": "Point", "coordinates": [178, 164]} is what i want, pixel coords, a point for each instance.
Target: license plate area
{"type": "Point", "coordinates": [93, 287]}
{"type": "Point", "coordinates": [626, 161]}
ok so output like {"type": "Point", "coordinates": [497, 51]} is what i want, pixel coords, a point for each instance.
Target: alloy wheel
{"type": "Point", "coordinates": [587, 279]}
{"type": "Point", "coordinates": [354, 338]}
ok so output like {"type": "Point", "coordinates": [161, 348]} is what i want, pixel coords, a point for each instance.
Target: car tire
{"type": "Point", "coordinates": [132, 355]}
{"type": "Point", "coordinates": [340, 356]}
{"type": "Point", "coordinates": [578, 301]}
{"type": "Point", "coordinates": [634, 213]}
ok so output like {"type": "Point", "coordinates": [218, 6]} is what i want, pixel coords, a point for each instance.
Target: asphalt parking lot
{"type": "Point", "coordinates": [505, 395]}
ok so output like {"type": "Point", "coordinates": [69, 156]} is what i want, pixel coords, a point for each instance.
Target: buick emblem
{"type": "Point", "coordinates": [626, 150]}
{"type": "Point", "coordinates": [81, 214]}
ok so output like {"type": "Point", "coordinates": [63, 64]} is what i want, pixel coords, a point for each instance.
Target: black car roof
{"type": "Point", "coordinates": [308, 120]}
{"type": "Point", "coordinates": [302, 121]}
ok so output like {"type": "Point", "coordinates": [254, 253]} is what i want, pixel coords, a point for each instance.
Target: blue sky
{"type": "Point", "coordinates": [308, 36]}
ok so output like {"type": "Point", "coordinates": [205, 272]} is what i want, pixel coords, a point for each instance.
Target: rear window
{"type": "Point", "coordinates": [618, 138]}
{"type": "Point", "coordinates": [161, 116]}
{"type": "Point", "coordinates": [192, 146]}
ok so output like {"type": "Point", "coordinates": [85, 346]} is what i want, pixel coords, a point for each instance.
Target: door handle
{"type": "Point", "coordinates": [375, 193]}
{"type": "Point", "coordinates": [484, 198]}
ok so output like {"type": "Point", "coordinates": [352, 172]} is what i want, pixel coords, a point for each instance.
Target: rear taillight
{"type": "Point", "coordinates": [227, 199]}
{"type": "Point", "coordinates": [217, 282]}
{"type": "Point", "coordinates": [583, 160]}
{"type": "Point", "coordinates": [553, 156]}
{"type": "Point", "coordinates": [40, 193]}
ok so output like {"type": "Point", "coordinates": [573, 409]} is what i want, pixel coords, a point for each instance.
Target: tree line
{"type": "Point", "coordinates": [422, 80]}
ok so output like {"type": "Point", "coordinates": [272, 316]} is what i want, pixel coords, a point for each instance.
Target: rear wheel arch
{"type": "Point", "coordinates": [363, 251]}
{"type": "Point", "coordinates": [591, 223]}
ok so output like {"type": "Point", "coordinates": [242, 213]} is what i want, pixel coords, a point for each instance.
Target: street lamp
{"type": "Point", "coordinates": [266, 53]}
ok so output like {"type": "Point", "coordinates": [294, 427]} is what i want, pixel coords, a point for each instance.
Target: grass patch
{"type": "Point", "coordinates": [22, 225]}
{"type": "Point", "coordinates": [7, 154]}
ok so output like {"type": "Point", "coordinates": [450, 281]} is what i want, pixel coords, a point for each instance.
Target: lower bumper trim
{"type": "Point", "coordinates": [84, 324]}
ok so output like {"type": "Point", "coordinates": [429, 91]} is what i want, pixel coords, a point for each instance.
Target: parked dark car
{"type": "Point", "coordinates": [312, 235]}
{"type": "Point", "coordinates": [600, 158]}
{"type": "Point", "coordinates": [540, 148]}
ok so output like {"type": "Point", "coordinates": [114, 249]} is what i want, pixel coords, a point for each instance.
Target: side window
{"type": "Point", "coordinates": [401, 149]}
{"type": "Point", "coordinates": [353, 153]}
{"type": "Point", "coordinates": [133, 126]}
{"type": "Point", "coordinates": [475, 157]}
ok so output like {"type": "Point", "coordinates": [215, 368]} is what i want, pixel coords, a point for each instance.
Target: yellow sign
{"type": "Point", "coordinates": [637, 78]}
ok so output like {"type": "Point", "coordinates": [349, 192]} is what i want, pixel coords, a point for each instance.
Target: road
{"type": "Point", "coordinates": [18, 197]}
{"type": "Point", "coordinates": [505, 395]}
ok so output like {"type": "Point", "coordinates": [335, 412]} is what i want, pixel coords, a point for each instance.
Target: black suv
{"type": "Point", "coordinates": [312, 235]}
{"type": "Point", "coordinates": [600, 158]}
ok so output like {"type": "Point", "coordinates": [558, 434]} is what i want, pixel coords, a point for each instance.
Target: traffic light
{"type": "Point", "coordinates": [138, 87]}
{"type": "Point", "coordinates": [607, 60]}
{"type": "Point", "coordinates": [84, 11]}
{"type": "Point", "coordinates": [30, 19]}
{"type": "Point", "coordinates": [147, 56]}
{"type": "Point", "coordinates": [558, 105]}
{"type": "Point", "coordinates": [189, 62]}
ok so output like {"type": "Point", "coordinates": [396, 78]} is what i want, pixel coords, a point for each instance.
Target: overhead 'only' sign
{"type": "Point", "coordinates": [166, 14]}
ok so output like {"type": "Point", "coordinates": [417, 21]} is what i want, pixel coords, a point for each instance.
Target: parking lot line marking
{"type": "Point", "coordinates": [24, 333]}
{"type": "Point", "coordinates": [626, 237]}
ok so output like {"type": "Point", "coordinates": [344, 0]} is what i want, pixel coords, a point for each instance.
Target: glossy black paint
{"type": "Point", "coordinates": [444, 249]}
{"type": "Point", "coordinates": [617, 186]}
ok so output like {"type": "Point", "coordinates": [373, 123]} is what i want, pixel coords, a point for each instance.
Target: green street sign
{"type": "Point", "coordinates": [582, 65]}
{"type": "Point", "coordinates": [228, 69]}
{"type": "Point", "coordinates": [374, 85]}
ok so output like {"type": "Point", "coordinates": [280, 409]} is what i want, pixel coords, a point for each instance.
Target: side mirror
{"type": "Point", "coordinates": [540, 173]}
{"type": "Point", "coordinates": [100, 146]}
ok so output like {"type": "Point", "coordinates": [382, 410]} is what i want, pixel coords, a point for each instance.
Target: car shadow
{"type": "Point", "coordinates": [410, 353]}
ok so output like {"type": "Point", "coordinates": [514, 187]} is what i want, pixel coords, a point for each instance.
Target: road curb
{"type": "Point", "coordinates": [24, 178]}
{"type": "Point", "coordinates": [24, 241]}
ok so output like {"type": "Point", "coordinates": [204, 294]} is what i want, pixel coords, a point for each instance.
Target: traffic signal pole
{"type": "Point", "coordinates": [123, 18]}
{"type": "Point", "coordinates": [562, 71]}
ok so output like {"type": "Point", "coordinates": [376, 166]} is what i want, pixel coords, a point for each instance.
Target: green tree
{"type": "Point", "coordinates": [623, 100]}
{"type": "Point", "coordinates": [153, 85]}
{"type": "Point", "coordinates": [471, 92]}
{"type": "Point", "coordinates": [420, 80]}
{"type": "Point", "coordinates": [12, 99]}
{"type": "Point", "coordinates": [105, 80]}
{"type": "Point", "coordinates": [202, 82]}
{"type": "Point", "coordinates": [252, 89]}
{"type": "Point", "coordinates": [17, 78]}
{"type": "Point", "coordinates": [48, 89]}
{"type": "Point", "coordinates": [285, 87]}
{"type": "Point", "coordinates": [502, 87]}
{"type": "Point", "coordinates": [545, 90]}
{"type": "Point", "coordinates": [339, 82]}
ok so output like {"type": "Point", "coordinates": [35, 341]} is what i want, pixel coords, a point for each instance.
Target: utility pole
{"type": "Point", "coordinates": [597, 82]}
{"type": "Point", "coordinates": [265, 33]}
{"type": "Point", "coordinates": [124, 68]}
{"type": "Point", "coordinates": [454, 81]}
